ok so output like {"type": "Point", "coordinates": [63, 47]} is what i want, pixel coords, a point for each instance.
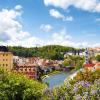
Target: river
{"type": "Point", "coordinates": [56, 80]}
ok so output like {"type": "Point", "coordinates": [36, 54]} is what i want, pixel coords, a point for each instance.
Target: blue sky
{"type": "Point", "coordinates": [43, 22]}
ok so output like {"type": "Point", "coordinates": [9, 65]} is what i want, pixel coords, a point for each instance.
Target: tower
{"type": "Point", "coordinates": [86, 56]}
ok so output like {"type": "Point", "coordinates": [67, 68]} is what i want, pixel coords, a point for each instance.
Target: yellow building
{"type": "Point", "coordinates": [94, 51]}
{"type": "Point", "coordinates": [6, 60]}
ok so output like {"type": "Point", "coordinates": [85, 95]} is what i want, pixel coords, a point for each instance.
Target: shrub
{"type": "Point", "coordinates": [88, 75]}
{"type": "Point", "coordinates": [77, 89]}
{"type": "Point", "coordinates": [98, 57]}
{"type": "Point", "coordinates": [14, 86]}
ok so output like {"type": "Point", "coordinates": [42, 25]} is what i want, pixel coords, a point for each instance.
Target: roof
{"type": "Point", "coordinates": [4, 49]}
{"type": "Point", "coordinates": [89, 65]}
{"type": "Point", "coordinates": [26, 65]}
{"type": "Point", "coordinates": [2, 52]}
{"type": "Point", "coordinates": [97, 64]}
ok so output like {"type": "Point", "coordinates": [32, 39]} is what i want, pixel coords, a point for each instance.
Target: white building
{"type": "Point", "coordinates": [20, 60]}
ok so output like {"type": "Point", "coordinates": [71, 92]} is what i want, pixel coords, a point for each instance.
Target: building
{"type": "Point", "coordinates": [97, 51]}
{"type": "Point", "coordinates": [34, 60]}
{"type": "Point", "coordinates": [89, 66]}
{"type": "Point", "coordinates": [29, 70]}
{"type": "Point", "coordinates": [97, 66]}
{"type": "Point", "coordinates": [94, 51]}
{"type": "Point", "coordinates": [75, 52]}
{"type": "Point", "coordinates": [91, 52]}
{"type": "Point", "coordinates": [86, 56]}
{"type": "Point", "coordinates": [20, 60]}
{"type": "Point", "coordinates": [6, 58]}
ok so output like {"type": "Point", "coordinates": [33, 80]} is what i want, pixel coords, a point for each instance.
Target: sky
{"type": "Point", "coordinates": [31, 23]}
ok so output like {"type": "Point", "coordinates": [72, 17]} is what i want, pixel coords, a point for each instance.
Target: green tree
{"type": "Point", "coordinates": [67, 62]}
{"type": "Point", "coordinates": [14, 86]}
{"type": "Point", "coordinates": [98, 57]}
{"type": "Point", "coordinates": [54, 52]}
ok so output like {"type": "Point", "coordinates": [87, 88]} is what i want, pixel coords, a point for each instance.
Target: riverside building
{"type": "Point", "coordinates": [6, 58]}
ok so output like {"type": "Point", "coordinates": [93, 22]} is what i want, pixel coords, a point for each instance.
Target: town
{"type": "Point", "coordinates": [34, 66]}
{"type": "Point", "coordinates": [49, 49]}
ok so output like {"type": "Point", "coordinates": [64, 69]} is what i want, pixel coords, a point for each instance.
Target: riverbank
{"type": "Point", "coordinates": [50, 74]}
{"type": "Point", "coordinates": [55, 73]}
{"type": "Point", "coordinates": [73, 74]}
{"type": "Point", "coordinates": [56, 80]}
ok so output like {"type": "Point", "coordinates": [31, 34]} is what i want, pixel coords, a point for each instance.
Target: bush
{"type": "Point", "coordinates": [85, 86]}
{"type": "Point", "coordinates": [98, 57]}
{"type": "Point", "coordinates": [77, 89]}
{"type": "Point", "coordinates": [14, 86]}
{"type": "Point", "coordinates": [88, 75]}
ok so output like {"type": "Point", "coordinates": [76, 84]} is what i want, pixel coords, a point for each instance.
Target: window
{"type": "Point", "coordinates": [3, 54]}
{"type": "Point", "coordinates": [21, 69]}
{"type": "Point", "coordinates": [25, 69]}
{"type": "Point", "coordinates": [3, 64]}
{"type": "Point", "coordinates": [3, 59]}
{"type": "Point", "coordinates": [6, 54]}
{"type": "Point", "coordinates": [33, 69]}
{"type": "Point", "coordinates": [6, 64]}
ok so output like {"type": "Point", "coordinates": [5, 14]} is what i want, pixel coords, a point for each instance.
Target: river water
{"type": "Point", "coordinates": [56, 80]}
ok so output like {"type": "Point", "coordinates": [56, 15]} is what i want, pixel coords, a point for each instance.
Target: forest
{"type": "Point", "coordinates": [54, 52]}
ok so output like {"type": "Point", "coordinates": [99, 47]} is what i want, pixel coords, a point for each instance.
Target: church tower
{"type": "Point", "coordinates": [86, 56]}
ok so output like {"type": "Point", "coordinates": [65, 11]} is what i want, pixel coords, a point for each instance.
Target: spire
{"type": "Point", "coordinates": [86, 56]}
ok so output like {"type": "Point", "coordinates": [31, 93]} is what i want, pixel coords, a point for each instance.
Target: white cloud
{"type": "Point", "coordinates": [10, 28]}
{"type": "Point", "coordinates": [61, 36]}
{"type": "Point", "coordinates": [68, 18]}
{"type": "Point", "coordinates": [18, 7]}
{"type": "Point", "coordinates": [87, 5]}
{"type": "Point", "coordinates": [28, 42]}
{"type": "Point", "coordinates": [64, 39]}
{"type": "Point", "coordinates": [96, 45]}
{"type": "Point", "coordinates": [56, 14]}
{"type": "Point", "coordinates": [46, 28]}
{"type": "Point", "coordinates": [11, 33]}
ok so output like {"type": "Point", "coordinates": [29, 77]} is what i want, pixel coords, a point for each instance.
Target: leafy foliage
{"type": "Point", "coordinates": [98, 57]}
{"type": "Point", "coordinates": [14, 86]}
{"type": "Point", "coordinates": [75, 89]}
{"type": "Point", "coordinates": [54, 52]}
{"type": "Point", "coordinates": [88, 75]}
{"type": "Point", "coordinates": [74, 61]}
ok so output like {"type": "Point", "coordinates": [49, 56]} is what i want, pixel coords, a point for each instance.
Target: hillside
{"type": "Point", "coordinates": [54, 52]}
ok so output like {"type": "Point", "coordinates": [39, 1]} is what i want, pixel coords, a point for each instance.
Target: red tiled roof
{"type": "Point", "coordinates": [98, 64]}
{"type": "Point", "coordinates": [88, 65]}
{"type": "Point", "coordinates": [26, 65]}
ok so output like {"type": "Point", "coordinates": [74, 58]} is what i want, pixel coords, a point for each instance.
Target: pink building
{"type": "Point", "coordinates": [28, 69]}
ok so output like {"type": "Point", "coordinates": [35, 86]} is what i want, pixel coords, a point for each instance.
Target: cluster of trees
{"type": "Point", "coordinates": [14, 86]}
{"type": "Point", "coordinates": [54, 52]}
{"type": "Point", "coordinates": [74, 61]}
{"type": "Point", "coordinates": [98, 57]}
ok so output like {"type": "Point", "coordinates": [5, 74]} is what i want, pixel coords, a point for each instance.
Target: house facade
{"type": "Point", "coordinates": [29, 70]}
{"type": "Point", "coordinates": [6, 58]}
